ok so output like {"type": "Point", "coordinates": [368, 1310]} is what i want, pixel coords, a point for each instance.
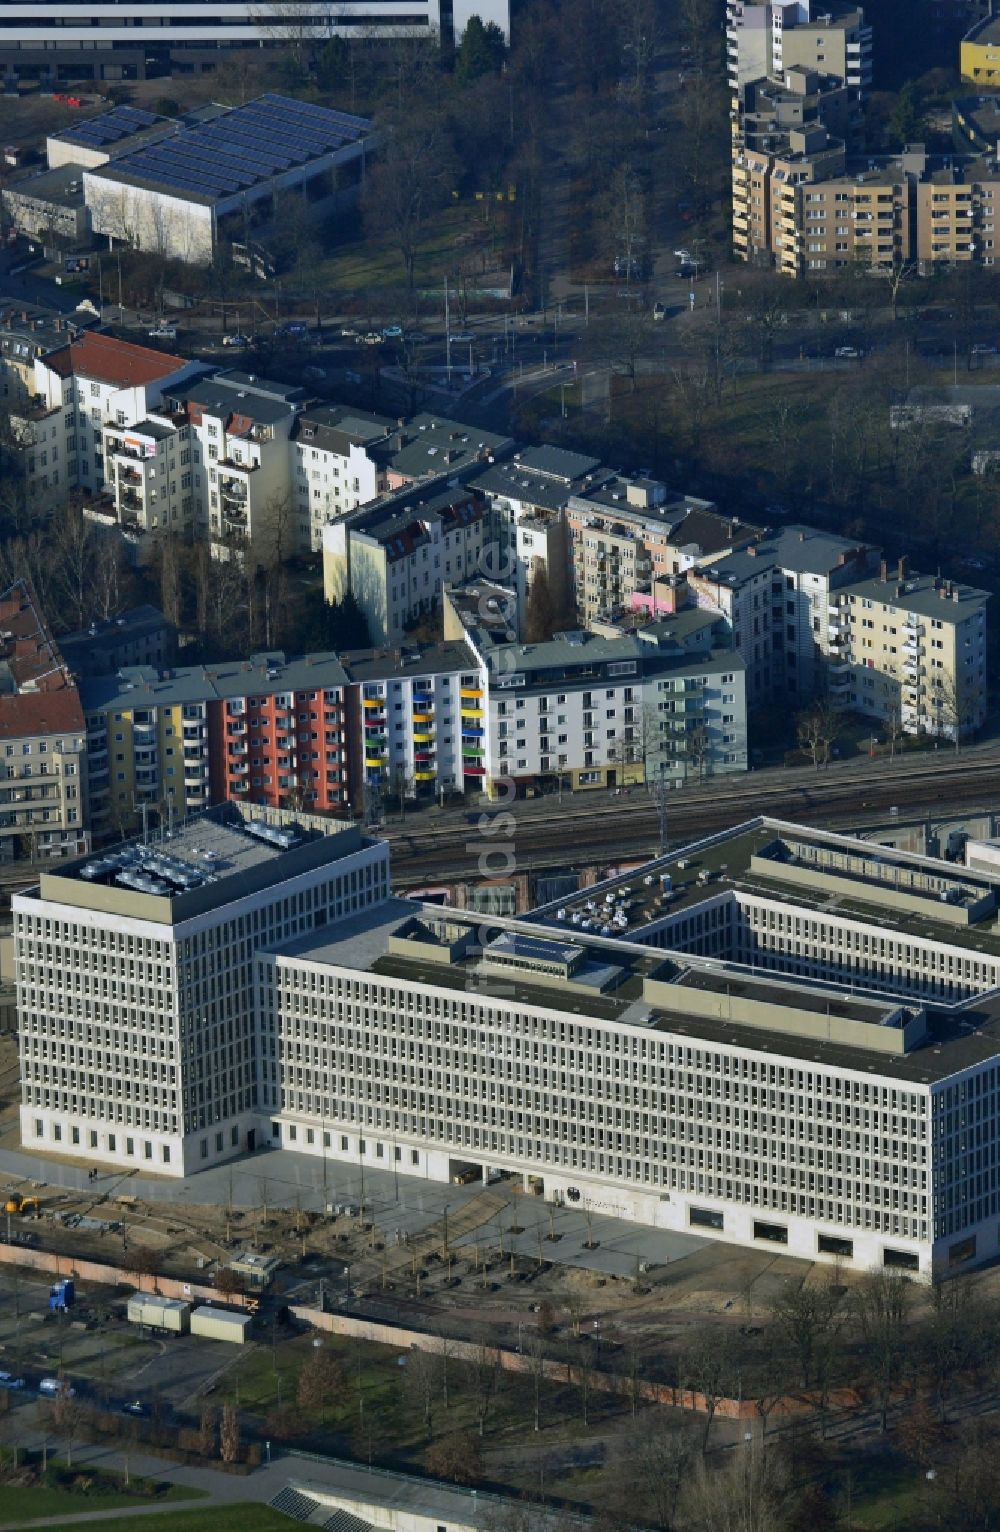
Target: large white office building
{"type": "Point", "coordinates": [140, 1034]}
{"type": "Point", "coordinates": [778, 1037]}
{"type": "Point", "coordinates": [103, 40]}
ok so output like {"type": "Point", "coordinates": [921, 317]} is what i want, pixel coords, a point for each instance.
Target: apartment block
{"type": "Point", "coordinates": [422, 723]}
{"type": "Point", "coordinates": [269, 730]}
{"type": "Point", "coordinates": [143, 1042]}
{"type": "Point", "coordinates": [802, 206]}
{"type": "Point", "coordinates": [588, 711]}
{"type": "Point", "coordinates": [43, 740]}
{"type": "Point", "coordinates": [29, 331]}
{"type": "Point", "coordinates": [776, 594]}
{"type": "Point", "coordinates": [98, 380]}
{"type": "Point", "coordinates": [910, 651]}
{"type": "Point", "coordinates": [139, 636]}
{"type": "Point", "coordinates": [332, 469]}
{"type": "Point", "coordinates": [628, 536]}
{"type": "Point", "coordinates": [396, 557]}
{"type": "Point", "coordinates": [529, 495]}
{"type": "Point", "coordinates": [765, 39]}
{"type": "Point", "coordinates": [979, 59]}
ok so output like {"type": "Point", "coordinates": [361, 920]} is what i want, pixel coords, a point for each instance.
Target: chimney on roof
{"type": "Point", "coordinates": [903, 568]}
{"type": "Point", "coordinates": [802, 536]}
{"type": "Point", "coordinates": [900, 590]}
{"type": "Point", "coordinates": [752, 550]}
{"type": "Point", "coordinates": [955, 594]}
{"type": "Point", "coordinates": [883, 571]}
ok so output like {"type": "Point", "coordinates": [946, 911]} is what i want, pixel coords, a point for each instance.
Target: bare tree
{"type": "Point", "coordinates": [320, 1380]}
{"type": "Point", "coordinates": [458, 1458]}
{"type": "Point", "coordinates": [708, 1370]}
{"type": "Point", "coordinates": [881, 1303]}
{"type": "Point", "coordinates": [206, 1432]}
{"type": "Point", "coordinates": [484, 1373]}
{"type": "Point", "coordinates": [804, 1315]}
{"type": "Point", "coordinates": [229, 1434]}
{"type": "Point", "coordinates": [816, 729]}
{"type": "Point", "coordinates": [409, 183]}
{"type": "Point", "coordinates": [422, 1375]}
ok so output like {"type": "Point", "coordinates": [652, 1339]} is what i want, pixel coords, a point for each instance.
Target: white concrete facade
{"type": "Point", "coordinates": [159, 1067]}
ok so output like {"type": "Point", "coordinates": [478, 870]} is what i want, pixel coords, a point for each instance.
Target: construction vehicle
{"type": "Point", "coordinates": [17, 1204]}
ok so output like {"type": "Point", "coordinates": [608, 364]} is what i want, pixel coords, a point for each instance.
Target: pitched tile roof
{"type": "Point", "coordinates": [107, 359]}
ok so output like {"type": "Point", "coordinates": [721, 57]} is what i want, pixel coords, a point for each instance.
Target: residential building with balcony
{"type": "Point", "coordinates": [269, 730]}
{"type": "Point", "coordinates": [529, 494]}
{"type": "Point", "coordinates": [422, 724]}
{"type": "Point", "coordinates": [776, 595]}
{"type": "Point", "coordinates": [240, 431]}
{"type": "Point", "coordinates": [627, 536]}
{"type": "Point", "coordinates": [333, 470]}
{"type": "Point", "coordinates": [801, 205]}
{"type": "Point", "coordinates": [43, 775]}
{"type": "Point", "coordinates": [95, 381]}
{"type": "Point", "coordinates": [910, 651]}
{"type": "Point", "coordinates": [396, 556]}
{"type": "Point", "coordinates": [585, 711]}
{"type": "Point", "coordinates": [766, 39]}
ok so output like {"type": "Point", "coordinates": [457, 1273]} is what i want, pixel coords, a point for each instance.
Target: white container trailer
{"type": "Point", "coordinates": [221, 1324]}
{"type": "Point", "coordinates": [159, 1313]}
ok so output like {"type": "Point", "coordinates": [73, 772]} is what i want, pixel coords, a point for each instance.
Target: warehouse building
{"type": "Point", "coordinates": [216, 181]}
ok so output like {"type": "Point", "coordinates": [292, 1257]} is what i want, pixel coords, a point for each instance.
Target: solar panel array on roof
{"type": "Point", "coordinates": [109, 127]}
{"type": "Point", "coordinates": [250, 144]}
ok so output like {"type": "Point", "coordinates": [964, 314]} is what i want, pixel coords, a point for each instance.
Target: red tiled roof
{"type": "Point", "coordinates": [107, 359]}
{"type": "Point", "coordinates": [30, 658]}
{"type": "Point", "coordinates": [38, 713]}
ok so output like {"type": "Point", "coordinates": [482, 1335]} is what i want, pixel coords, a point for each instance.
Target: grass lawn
{"type": "Point", "coordinates": [223, 1518]}
{"type": "Point", "coordinates": [17, 1504]}
{"type": "Point", "coordinates": [375, 263]}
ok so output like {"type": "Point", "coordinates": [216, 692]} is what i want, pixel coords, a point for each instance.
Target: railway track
{"type": "Point", "coordinates": [575, 832]}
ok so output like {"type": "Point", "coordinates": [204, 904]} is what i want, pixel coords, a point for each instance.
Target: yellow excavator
{"type": "Point", "coordinates": [17, 1204]}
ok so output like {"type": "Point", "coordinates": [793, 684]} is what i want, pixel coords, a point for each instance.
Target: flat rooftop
{"type": "Point", "coordinates": [205, 862]}
{"type": "Point", "coordinates": [238, 150]}
{"type": "Point", "coordinates": [723, 865]}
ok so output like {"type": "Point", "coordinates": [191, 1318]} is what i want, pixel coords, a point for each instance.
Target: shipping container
{"type": "Point", "coordinates": [221, 1324]}
{"type": "Point", "coordinates": [159, 1313]}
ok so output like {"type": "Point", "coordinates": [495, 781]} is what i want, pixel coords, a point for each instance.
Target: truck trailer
{"type": "Point", "coordinates": [159, 1313]}
{"type": "Point", "coordinates": [221, 1324]}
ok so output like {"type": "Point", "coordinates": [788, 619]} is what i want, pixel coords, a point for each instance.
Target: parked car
{"type": "Point", "coordinates": [627, 266]}
{"type": "Point", "coordinates": [464, 337]}
{"type": "Point", "coordinates": [239, 341]}
{"type": "Point", "coordinates": [8, 1380]}
{"type": "Point", "coordinates": [163, 332]}
{"type": "Point", "coordinates": [294, 327]}
{"type": "Point", "coordinates": [392, 332]}
{"type": "Point", "coordinates": [372, 338]}
{"type": "Point", "coordinates": [847, 351]}
{"type": "Point", "coordinates": [55, 1388]}
{"type": "Point", "coordinates": [659, 311]}
{"type": "Point", "coordinates": [135, 1407]}
{"type": "Point", "coordinates": [683, 255]}
{"type": "Point", "coordinates": [314, 374]}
